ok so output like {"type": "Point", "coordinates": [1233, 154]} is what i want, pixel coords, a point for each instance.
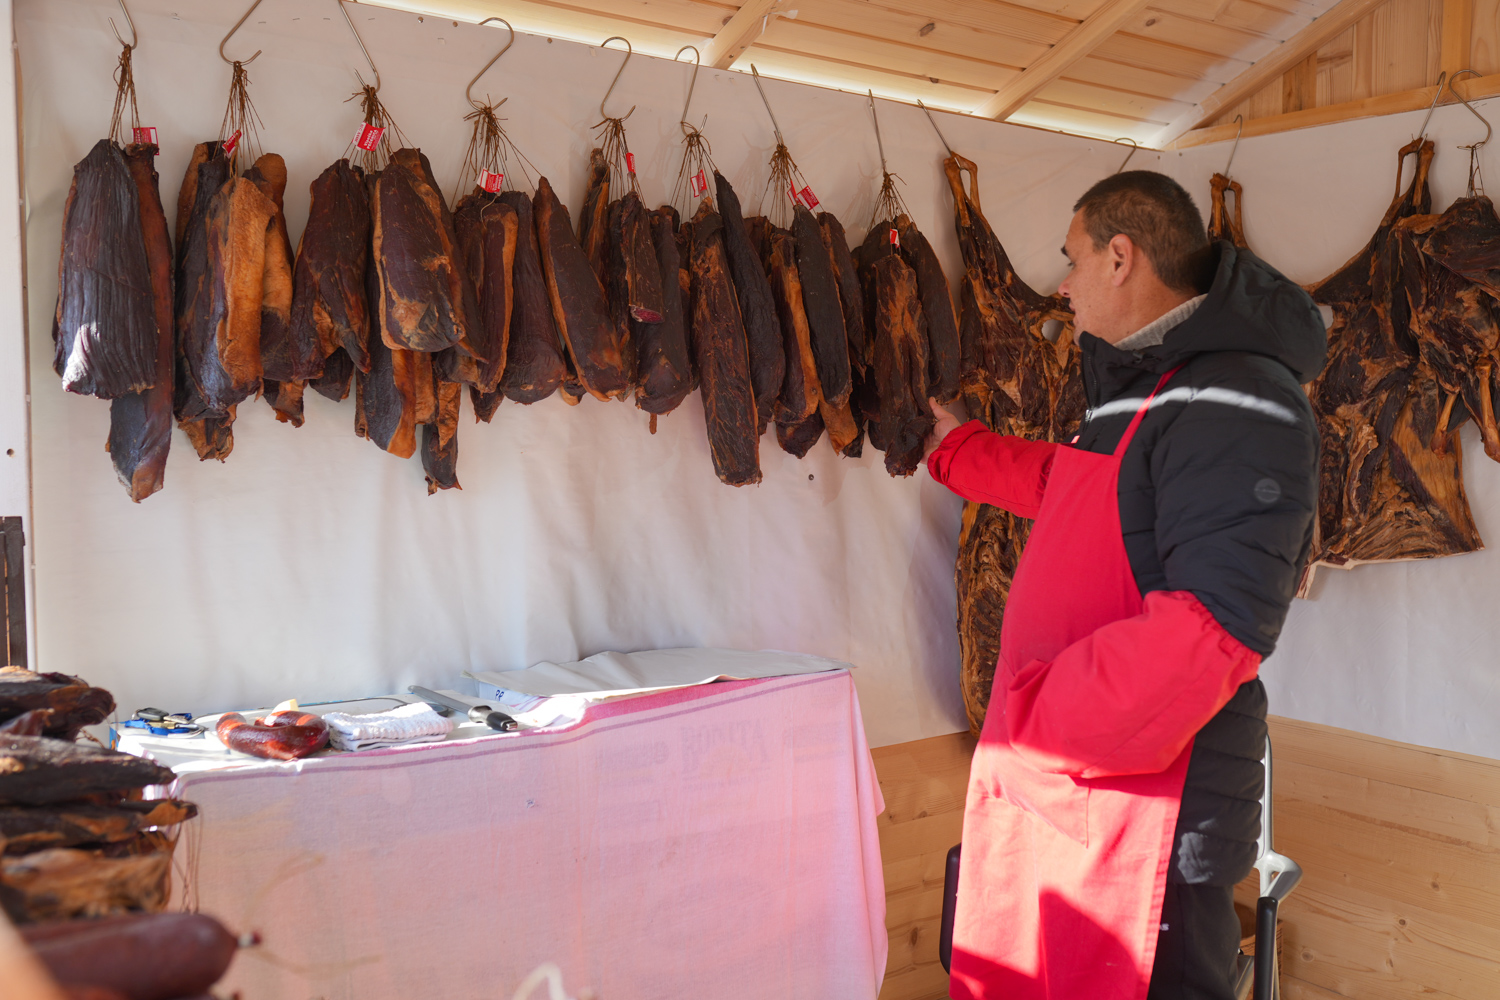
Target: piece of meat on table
{"type": "Point", "coordinates": [722, 357]}
{"type": "Point", "coordinates": [140, 423]}
{"type": "Point", "coordinates": [757, 307]}
{"type": "Point", "coordinates": [104, 329]}
{"type": "Point", "coordinates": [594, 344]}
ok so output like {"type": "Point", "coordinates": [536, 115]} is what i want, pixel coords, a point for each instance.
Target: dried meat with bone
{"type": "Point", "coordinates": [757, 307]}
{"type": "Point", "coordinates": [722, 356]}
{"type": "Point", "coordinates": [287, 360]}
{"type": "Point", "coordinates": [534, 365]}
{"type": "Point", "coordinates": [662, 353]}
{"type": "Point", "coordinates": [140, 423]}
{"type": "Point", "coordinates": [823, 307]}
{"type": "Point", "coordinates": [943, 346]}
{"type": "Point", "coordinates": [426, 298]}
{"type": "Point", "coordinates": [487, 231]}
{"type": "Point", "coordinates": [1225, 223]}
{"type": "Point", "coordinates": [104, 329]}
{"type": "Point", "coordinates": [328, 281]}
{"type": "Point", "coordinates": [596, 347]}
{"type": "Point", "coordinates": [900, 364]}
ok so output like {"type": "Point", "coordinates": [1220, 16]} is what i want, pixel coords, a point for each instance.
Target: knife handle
{"type": "Point", "coordinates": [498, 721]}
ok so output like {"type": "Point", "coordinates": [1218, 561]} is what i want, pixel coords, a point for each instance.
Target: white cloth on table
{"type": "Point", "coordinates": [414, 723]}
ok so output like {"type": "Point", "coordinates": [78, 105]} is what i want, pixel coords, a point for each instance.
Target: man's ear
{"type": "Point", "coordinates": [1122, 254]}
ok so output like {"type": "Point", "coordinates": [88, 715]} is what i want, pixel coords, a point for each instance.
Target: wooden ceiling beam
{"type": "Point", "coordinates": [1078, 43]}
{"type": "Point", "coordinates": [1457, 37]}
{"type": "Point", "coordinates": [1333, 22]}
{"type": "Point", "coordinates": [738, 33]}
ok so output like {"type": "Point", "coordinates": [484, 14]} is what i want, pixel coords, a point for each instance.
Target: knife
{"type": "Point", "coordinates": [498, 721]}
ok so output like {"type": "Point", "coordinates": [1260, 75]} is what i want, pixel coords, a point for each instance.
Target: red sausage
{"type": "Point", "coordinates": [278, 736]}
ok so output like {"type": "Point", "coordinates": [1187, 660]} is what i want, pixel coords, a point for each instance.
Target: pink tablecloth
{"type": "Point", "coordinates": [714, 842]}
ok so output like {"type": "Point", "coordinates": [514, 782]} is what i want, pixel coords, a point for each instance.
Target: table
{"type": "Point", "coordinates": [711, 842]}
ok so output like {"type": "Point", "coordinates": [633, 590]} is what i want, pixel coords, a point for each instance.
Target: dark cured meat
{"type": "Point", "coordinates": [338, 369]}
{"type": "Point", "coordinates": [208, 171]}
{"type": "Point", "coordinates": [328, 282]}
{"type": "Point", "coordinates": [797, 439]}
{"type": "Point", "coordinates": [723, 361]}
{"type": "Point", "coordinates": [593, 342]}
{"type": "Point", "coordinates": [534, 365]}
{"type": "Point", "coordinates": [666, 373]}
{"type": "Point", "coordinates": [617, 286]}
{"type": "Point", "coordinates": [851, 298]}
{"type": "Point", "coordinates": [486, 230]}
{"type": "Point", "coordinates": [440, 440]}
{"type": "Point", "coordinates": [211, 437]}
{"type": "Point", "coordinates": [943, 348]}
{"type": "Point", "coordinates": [140, 423]}
{"type": "Point", "coordinates": [756, 306]}
{"type": "Point", "coordinates": [593, 218]}
{"type": "Point", "coordinates": [104, 328]}
{"type": "Point", "coordinates": [825, 312]}
{"type": "Point", "coordinates": [287, 362]}
{"type": "Point", "coordinates": [426, 297]}
{"type": "Point", "coordinates": [1224, 224]}
{"type": "Point", "coordinates": [844, 430]}
{"type": "Point", "coordinates": [900, 365]}
{"type": "Point", "coordinates": [386, 402]}
{"type": "Point", "coordinates": [278, 736]}
{"type": "Point", "coordinates": [800, 390]}
{"type": "Point", "coordinates": [643, 282]}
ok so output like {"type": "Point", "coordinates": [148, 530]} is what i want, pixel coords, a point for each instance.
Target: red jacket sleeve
{"type": "Point", "coordinates": [1129, 697]}
{"type": "Point", "coordinates": [980, 465]}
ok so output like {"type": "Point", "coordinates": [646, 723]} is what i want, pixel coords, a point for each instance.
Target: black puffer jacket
{"type": "Point", "coordinates": [1217, 493]}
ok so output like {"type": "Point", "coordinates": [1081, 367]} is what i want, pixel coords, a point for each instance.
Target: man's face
{"type": "Point", "coordinates": [1093, 276]}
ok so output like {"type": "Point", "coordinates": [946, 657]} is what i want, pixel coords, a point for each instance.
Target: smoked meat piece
{"type": "Point", "coordinates": [287, 361]}
{"type": "Point", "coordinates": [440, 440]}
{"type": "Point", "coordinates": [593, 341]}
{"type": "Point", "coordinates": [1224, 224]}
{"type": "Point", "coordinates": [385, 408]}
{"type": "Point", "coordinates": [65, 703]}
{"type": "Point", "coordinates": [39, 770]}
{"type": "Point", "coordinates": [666, 373]}
{"type": "Point", "coordinates": [104, 329]}
{"type": "Point", "coordinates": [723, 360]}
{"type": "Point", "coordinates": [850, 295]}
{"type": "Point", "coordinates": [943, 348]}
{"type": "Point", "coordinates": [534, 365]}
{"type": "Point", "coordinates": [643, 284]}
{"type": "Point", "coordinates": [844, 431]}
{"type": "Point", "coordinates": [426, 296]}
{"type": "Point", "coordinates": [797, 439]}
{"type": "Point", "coordinates": [825, 312]}
{"type": "Point", "coordinates": [593, 218]}
{"type": "Point", "coordinates": [140, 423]}
{"type": "Point", "coordinates": [800, 389]}
{"type": "Point", "coordinates": [756, 306]}
{"type": "Point", "coordinates": [338, 369]}
{"type": "Point", "coordinates": [211, 437]}
{"type": "Point", "coordinates": [208, 171]}
{"type": "Point", "coordinates": [487, 233]}
{"type": "Point", "coordinates": [328, 282]}
{"type": "Point", "coordinates": [617, 286]}
{"type": "Point", "coordinates": [900, 365]}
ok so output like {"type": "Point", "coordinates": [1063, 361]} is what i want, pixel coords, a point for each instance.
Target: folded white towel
{"type": "Point", "coordinates": [414, 723]}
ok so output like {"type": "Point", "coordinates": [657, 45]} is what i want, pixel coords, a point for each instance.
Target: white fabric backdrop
{"type": "Point", "coordinates": [313, 565]}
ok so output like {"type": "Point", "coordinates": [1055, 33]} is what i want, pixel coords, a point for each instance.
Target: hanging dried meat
{"type": "Point", "coordinates": [666, 372]}
{"type": "Point", "coordinates": [800, 390]}
{"type": "Point", "coordinates": [534, 365]}
{"type": "Point", "coordinates": [943, 348]}
{"type": "Point", "coordinates": [900, 364]}
{"type": "Point", "coordinates": [487, 231]}
{"type": "Point", "coordinates": [824, 309]}
{"type": "Point", "coordinates": [387, 402]}
{"type": "Point", "coordinates": [757, 308]}
{"type": "Point", "coordinates": [593, 218]}
{"type": "Point", "coordinates": [140, 423]}
{"type": "Point", "coordinates": [594, 343]}
{"type": "Point", "coordinates": [850, 295]}
{"type": "Point", "coordinates": [104, 329]}
{"type": "Point", "coordinates": [1224, 224]}
{"type": "Point", "coordinates": [722, 357]}
{"type": "Point", "coordinates": [328, 281]}
{"type": "Point", "coordinates": [797, 439]}
{"type": "Point", "coordinates": [440, 440]}
{"type": "Point", "coordinates": [287, 361]}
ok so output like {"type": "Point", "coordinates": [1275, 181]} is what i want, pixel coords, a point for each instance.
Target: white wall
{"type": "Point", "coordinates": [313, 565]}
{"type": "Point", "coordinates": [1410, 650]}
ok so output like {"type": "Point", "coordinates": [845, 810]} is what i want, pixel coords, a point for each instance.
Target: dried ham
{"type": "Point", "coordinates": [665, 371]}
{"type": "Point", "coordinates": [757, 308]}
{"type": "Point", "coordinates": [534, 366]}
{"type": "Point", "coordinates": [900, 365]}
{"type": "Point", "coordinates": [328, 281]}
{"type": "Point", "coordinates": [825, 311]}
{"type": "Point", "coordinates": [287, 361]}
{"type": "Point", "coordinates": [1224, 223]}
{"type": "Point", "coordinates": [104, 330]}
{"type": "Point", "coordinates": [595, 346]}
{"type": "Point", "coordinates": [140, 423]}
{"type": "Point", "coordinates": [487, 231]}
{"type": "Point", "coordinates": [722, 357]}
{"type": "Point", "coordinates": [943, 348]}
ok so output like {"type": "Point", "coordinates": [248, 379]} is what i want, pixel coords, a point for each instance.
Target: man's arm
{"type": "Point", "coordinates": [985, 467]}
{"type": "Point", "coordinates": [1234, 498]}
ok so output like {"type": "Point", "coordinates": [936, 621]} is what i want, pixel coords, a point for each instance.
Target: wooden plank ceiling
{"type": "Point", "coordinates": [1160, 72]}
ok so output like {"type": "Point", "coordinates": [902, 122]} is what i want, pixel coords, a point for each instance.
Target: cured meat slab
{"type": "Point", "coordinates": [943, 347]}
{"type": "Point", "coordinates": [534, 365]}
{"type": "Point", "coordinates": [328, 282]}
{"type": "Point", "coordinates": [288, 360]}
{"type": "Point", "coordinates": [666, 371]}
{"type": "Point", "coordinates": [851, 296]}
{"type": "Point", "coordinates": [757, 308]}
{"type": "Point", "coordinates": [722, 357]}
{"type": "Point", "coordinates": [824, 310]}
{"type": "Point", "coordinates": [1225, 223]}
{"type": "Point", "coordinates": [900, 365]}
{"type": "Point", "coordinates": [440, 440]}
{"type": "Point", "coordinates": [800, 390]}
{"type": "Point", "coordinates": [487, 231]}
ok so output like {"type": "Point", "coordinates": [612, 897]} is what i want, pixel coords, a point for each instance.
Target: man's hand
{"type": "Point", "coordinates": [945, 423]}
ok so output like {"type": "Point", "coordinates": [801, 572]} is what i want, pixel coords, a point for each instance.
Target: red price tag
{"type": "Point", "coordinates": [231, 142]}
{"type": "Point", "coordinates": [144, 135]}
{"type": "Point", "coordinates": [490, 182]}
{"type": "Point", "coordinates": [700, 184]}
{"type": "Point", "coordinates": [368, 137]}
{"type": "Point", "coordinates": [895, 238]}
{"type": "Point", "coordinates": [808, 199]}
{"type": "Point", "coordinates": [630, 162]}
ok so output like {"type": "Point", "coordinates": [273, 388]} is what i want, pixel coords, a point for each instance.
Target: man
{"type": "Point", "coordinates": [1114, 797]}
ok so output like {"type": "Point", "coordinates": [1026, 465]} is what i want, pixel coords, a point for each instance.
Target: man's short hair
{"type": "Point", "coordinates": [1160, 219]}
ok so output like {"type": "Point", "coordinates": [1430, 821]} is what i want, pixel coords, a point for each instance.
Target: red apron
{"type": "Point", "coordinates": [1061, 885]}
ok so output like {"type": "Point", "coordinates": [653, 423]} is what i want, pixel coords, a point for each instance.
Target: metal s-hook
{"type": "Point", "coordinates": [935, 128]}
{"type": "Point", "coordinates": [1488, 131]}
{"type": "Point", "coordinates": [134, 38]}
{"type": "Point", "coordinates": [1133, 147]}
{"type": "Point", "coordinates": [629, 51]}
{"type": "Point", "coordinates": [878, 143]}
{"type": "Point", "coordinates": [1235, 148]}
{"type": "Point", "coordinates": [697, 59]}
{"type": "Point", "coordinates": [355, 32]}
{"type": "Point", "coordinates": [468, 91]}
{"type": "Point", "coordinates": [1422, 133]}
{"type": "Point", "coordinates": [243, 18]}
{"type": "Point", "coordinates": [774, 127]}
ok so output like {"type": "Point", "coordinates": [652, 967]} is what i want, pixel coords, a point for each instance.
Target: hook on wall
{"type": "Point", "coordinates": [629, 51]}
{"type": "Point", "coordinates": [879, 144]}
{"type": "Point", "coordinates": [1476, 181]}
{"type": "Point", "coordinates": [469, 90]}
{"type": "Point", "coordinates": [355, 32]}
{"type": "Point", "coordinates": [134, 39]}
{"type": "Point", "coordinates": [941, 137]}
{"type": "Point", "coordinates": [243, 18]}
{"type": "Point", "coordinates": [1235, 148]}
{"type": "Point", "coordinates": [774, 127]}
{"type": "Point", "coordinates": [697, 59]}
{"type": "Point", "coordinates": [1422, 132]}
{"type": "Point", "coordinates": [1133, 147]}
